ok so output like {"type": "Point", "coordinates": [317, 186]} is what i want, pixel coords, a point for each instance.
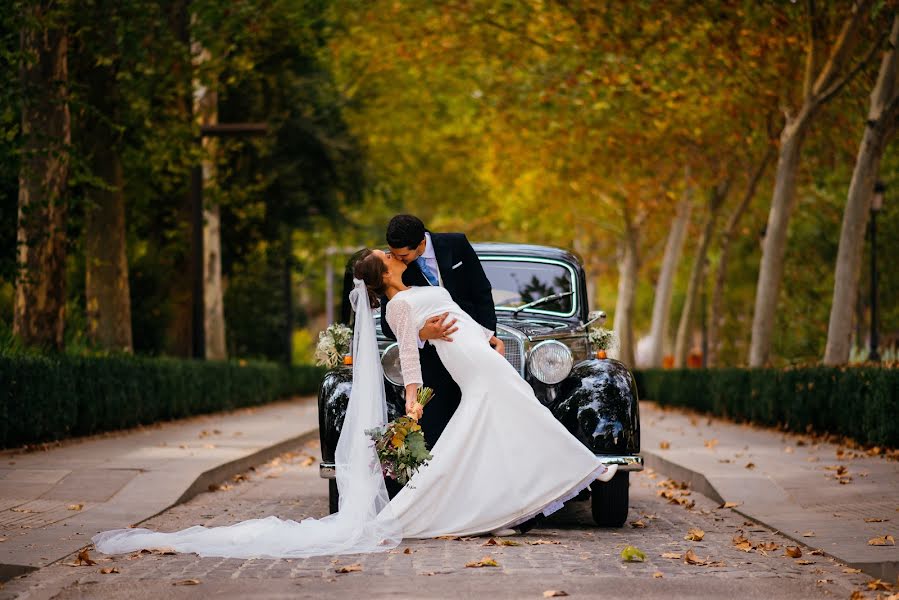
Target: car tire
{"type": "Point", "coordinates": [333, 496]}
{"type": "Point", "coordinates": [610, 500]}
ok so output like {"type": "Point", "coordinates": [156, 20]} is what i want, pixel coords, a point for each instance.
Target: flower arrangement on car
{"type": "Point", "coordinates": [333, 345]}
{"type": "Point", "coordinates": [400, 444]}
{"type": "Point", "coordinates": [603, 340]}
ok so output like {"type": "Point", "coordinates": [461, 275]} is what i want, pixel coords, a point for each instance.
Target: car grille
{"type": "Point", "coordinates": [514, 351]}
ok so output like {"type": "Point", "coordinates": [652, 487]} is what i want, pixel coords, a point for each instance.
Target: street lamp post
{"type": "Point", "coordinates": [876, 207]}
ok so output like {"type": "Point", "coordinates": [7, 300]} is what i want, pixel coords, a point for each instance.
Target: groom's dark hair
{"type": "Point", "coordinates": [405, 231]}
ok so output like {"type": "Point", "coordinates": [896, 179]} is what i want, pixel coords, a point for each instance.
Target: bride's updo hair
{"type": "Point", "coordinates": [371, 269]}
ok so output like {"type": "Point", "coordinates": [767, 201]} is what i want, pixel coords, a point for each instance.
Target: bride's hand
{"type": "Point", "coordinates": [413, 408]}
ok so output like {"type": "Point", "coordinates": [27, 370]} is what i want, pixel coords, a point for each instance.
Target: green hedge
{"type": "Point", "coordinates": [859, 402]}
{"type": "Point", "coordinates": [49, 398]}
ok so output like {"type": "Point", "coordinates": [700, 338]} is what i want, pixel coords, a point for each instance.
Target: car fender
{"type": "Point", "coordinates": [598, 404]}
{"type": "Point", "coordinates": [333, 400]}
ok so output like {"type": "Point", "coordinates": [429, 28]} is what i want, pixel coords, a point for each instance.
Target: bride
{"type": "Point", "coordinates": [502, 460]}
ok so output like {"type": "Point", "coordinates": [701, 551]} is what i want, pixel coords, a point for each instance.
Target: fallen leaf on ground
{"type": "Point", "coordinates": [730, 505]}
{"type": "Point", "coordinates": [638, 524]}
{"type": "Point", "coordinates": [710, 444]}
{"type": "Point", "coordinates": [879, 585]}
{"type": "Point", "coordinates": [544, 542]}
{"type": "Point", "coordinates": [886, 540]}
{"type": "Point", "coordinates": [875, 520]}
{"type": "Point", "coordinates": [84, 557]}
{"type": "Point", "coordinates": [495, 542]}
{"type": "Point", "coordinates": [353, 568]}
{"type": "Point", "coordinates": [554, 594]}
{"type": "Point", "coordinates": [788, 449]}
{"type": "Point", "coordinates": [407, 551]}
{"type": "Point", "coordinates": [750, 466]}
{"type": "Point", "coordinates": [187, 582]}
{"type": "Point", "coordinates": [674, 555]}
{"type": "Point", "coordinates": [692, 559]}
{"type": "Point", "coordinates": [76, 506]}
{"type": "Point", "coordinates": [851, 571]}
{"type": "Point", "coordinates": [308, 462]}
{"type": "Point", "coordinates": [808, 534]}
{"type": "Point", "coordinates": [820, 581]}
{"type": "Point", "coordinates": [664, 445]}
{"type": "Point", "coordinates": [657, 575]}
{"type": "Point", "coordinates": [22, 510]}
{"type": "Point", "coordinates": [804, 562]}
{"type": "Point", "coordinates": [447, 537]}
{"type": "Point", "coordinates": [857, 595]}
{"type": "Point", "coordinates": [695, 535]}
{"type": "Point", "coordinates": [816, 553]}
{"type": "Point", "coordinates": [487, 561]}
{"type": "Point", "coordinates": [742, 543]}
{"type": "Point", "coordinates": [632, 554]}
{"type": "Point", "coordinates": [109, 570]}
{"type": "Point", "coordinates": [793, 551]}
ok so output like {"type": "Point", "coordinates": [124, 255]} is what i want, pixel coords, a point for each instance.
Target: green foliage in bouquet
{"type": "Point", "coordinates": [400, 444]}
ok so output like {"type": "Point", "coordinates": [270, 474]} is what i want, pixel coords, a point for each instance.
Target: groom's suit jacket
{"type": "Point", "coordinates": [463, 277]}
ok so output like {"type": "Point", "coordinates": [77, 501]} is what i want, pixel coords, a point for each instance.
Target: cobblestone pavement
{"type": "Point", "coordinates": [567, 553]}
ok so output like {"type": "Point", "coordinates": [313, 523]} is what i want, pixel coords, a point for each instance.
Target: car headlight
{"type": "Point", "coordinates": [550, 362]}
{"type": "Point", "coordinates": [390, 361]}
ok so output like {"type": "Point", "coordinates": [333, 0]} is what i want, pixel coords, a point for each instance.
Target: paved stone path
{"type": "Point", "coordinates": [822, 495]}
{"type": "Point", "coordinates": [568, 553]}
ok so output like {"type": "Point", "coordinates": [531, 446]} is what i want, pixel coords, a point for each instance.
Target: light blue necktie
{"type": "Point", "coordinates": [426, 270]}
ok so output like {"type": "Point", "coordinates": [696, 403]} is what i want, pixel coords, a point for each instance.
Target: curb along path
{"type": "Point", "coordinates": [821, 495]}
{"type": "Point", "coordinates": [53, 501]}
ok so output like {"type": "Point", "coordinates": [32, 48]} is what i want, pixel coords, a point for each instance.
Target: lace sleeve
{"type": "Point", "coordinates": [399, 316]}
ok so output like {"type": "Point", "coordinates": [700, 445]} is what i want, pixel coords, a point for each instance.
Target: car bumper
{"type": "Point", "coordinates": [628, 462]}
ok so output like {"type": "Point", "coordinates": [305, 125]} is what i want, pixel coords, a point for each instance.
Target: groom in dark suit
{"type": "Point", "coordinates": [447, 260]}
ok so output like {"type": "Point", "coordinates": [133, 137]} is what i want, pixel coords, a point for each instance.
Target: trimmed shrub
{"type": "Point", "coordinates": [859, 402]}
{"type": "Point", "coordinates": [46, 398]}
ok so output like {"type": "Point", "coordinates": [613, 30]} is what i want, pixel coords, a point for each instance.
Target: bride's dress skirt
{"type": "Point", "coordinates": [502, 459]}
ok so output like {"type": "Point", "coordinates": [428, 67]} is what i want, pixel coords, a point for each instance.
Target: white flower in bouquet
{"type": "Point", "coordinates": [333, 344]}
{"type": "Point", "coordinates": [602, 338]}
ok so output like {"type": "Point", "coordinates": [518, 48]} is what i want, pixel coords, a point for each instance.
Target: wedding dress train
{"type": "Point", "coordinates": [502, 459]}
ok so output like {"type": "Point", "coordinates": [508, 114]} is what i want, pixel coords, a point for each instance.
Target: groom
{"type": "Point", "coordinates": [449, 261]}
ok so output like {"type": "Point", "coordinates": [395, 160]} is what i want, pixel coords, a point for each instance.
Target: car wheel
{"type": "Point", "coordinates": [333, 496]}
{"type": "Point", "coordinates": [610, 500]}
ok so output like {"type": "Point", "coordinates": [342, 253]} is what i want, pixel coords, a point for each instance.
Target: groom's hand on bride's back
{"type": "Point", "coordinates": [438, 328]}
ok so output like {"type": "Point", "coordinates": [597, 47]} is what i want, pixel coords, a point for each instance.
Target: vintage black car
{"type": "Point", "coordinates": [542, 314]}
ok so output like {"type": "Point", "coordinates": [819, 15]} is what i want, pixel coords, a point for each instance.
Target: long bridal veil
{"type": "Point", "coordinates": [364, 521]}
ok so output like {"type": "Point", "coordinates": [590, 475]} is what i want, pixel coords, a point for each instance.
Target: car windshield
{"type": "Point", "coordinates": [518, 282]}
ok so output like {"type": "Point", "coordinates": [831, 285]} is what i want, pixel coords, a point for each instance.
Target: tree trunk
{"type": "Point", "coordinates": [107, 290]}
{"type": "Point", "coordinates": [179, 339]}
{"type": "Point", "coordinates": [661, 307]}
{"type": "Point", "coordinates": [716, 319]}
{"type": "Point", "coordinates": [774, 245]}
{"type": "Point", "coordinates": [206, 109]}
{"type": "Point", "coordinates": [628, 266]}
{"type": "Point", "coordinates": [881, 125]}
{"type": "Point", "coordinates": [287, 283]}
{"type": "Point", "coordinates": [684, 328]}
{"type": "Point", "coordinates": [39, 315]}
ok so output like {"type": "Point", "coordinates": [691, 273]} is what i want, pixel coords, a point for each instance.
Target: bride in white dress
{"type": "Point", "coordinates": [502, 459]}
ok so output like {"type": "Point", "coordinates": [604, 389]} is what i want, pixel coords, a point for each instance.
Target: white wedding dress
{"type": "Point", "coordinates": [502, 459]}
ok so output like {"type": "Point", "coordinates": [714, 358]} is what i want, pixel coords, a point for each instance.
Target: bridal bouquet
{"type": "Point", "coordinates": [333, 344]}
{"type": "Point", "coordinates": [401, 444]}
